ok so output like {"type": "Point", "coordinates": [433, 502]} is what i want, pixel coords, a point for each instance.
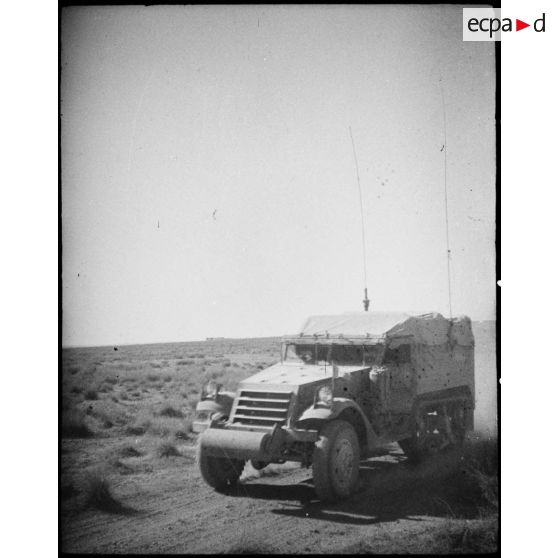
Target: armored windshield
{"type": "Point", "coordinates": [320, 354]}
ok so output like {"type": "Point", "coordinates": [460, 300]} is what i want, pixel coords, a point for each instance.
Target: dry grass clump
{"type": "Point", "coordinates": [136, 429]}
{"type": "Point", "coordinates": [98, 493]}
{"type": "Point", "coordinates": [481, 457]}
{"type": "Point", "coordinates": [160, 424]}
{"type": "Point", "coordinates": [91, 394]}
{"type": "Point", "coordinates": [182, 434]}
{"type": "Point", "coordinates": [165, 426]}
{"type": "Point", "coordinates": [107, 412]}
{"type": "Point", "coordinates": [140, 425]}
{"type": "Point", "coordinates": [129, 451]}
{"type": "Point", "coordinates": [476, 537]}
{"type": "Point", "coordinates": [167, 449]}
{"type": "Point", "coordinates": [170, 411]}
{"type": "Point", "coordinates": [185, 362]}
{"type": "Point", "coordinates": [74, 425]}
{"type": "Point", "coordinates": [122, 468]}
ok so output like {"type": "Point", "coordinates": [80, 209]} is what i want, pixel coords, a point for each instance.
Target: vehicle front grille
{"type": "Point", "coordinates": [262, 408]}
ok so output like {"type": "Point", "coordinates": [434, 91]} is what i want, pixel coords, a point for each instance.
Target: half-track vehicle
{"type": "Point", "coordinates": [345, 385]}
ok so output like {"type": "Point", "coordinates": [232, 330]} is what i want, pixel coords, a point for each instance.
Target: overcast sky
{"type": "Point", "coordinates": [208, 180]}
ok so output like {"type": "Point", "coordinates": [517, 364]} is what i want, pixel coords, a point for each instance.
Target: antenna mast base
{"type": "Point", "coordinates": [366, 301]}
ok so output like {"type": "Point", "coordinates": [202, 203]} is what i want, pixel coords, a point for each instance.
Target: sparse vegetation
{"type": "Point", "coordinates": [182, 434]}
{"type": "Point", "coordinates": [99, 494]}
{"type": "Point", "coordinates": [478, 536]}
{"type": "Point", "coordinates": [185, 362]}
{"type": "Point", "coordinates": [251, 548]}
{"type": "Point", "coordinates": [170, 411]}
{"type": "Point", "coordinates": [167, 449]}
{"type": "Point", "coordinates": [482, 467]}
{"type": "Point", "coordinates": [129, 451]}
{"type": "Point", "coordinates": [91, 394]}
{"type": "Point", "coordinates": [150, 447]}
{"type": "Point", "coordinates": [136, 430]}
{"type": "Point", "coordinates": [74, 425]}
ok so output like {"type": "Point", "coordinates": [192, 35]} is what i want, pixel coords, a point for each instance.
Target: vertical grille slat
{"type": "Point", "coordinates": [266, 409]}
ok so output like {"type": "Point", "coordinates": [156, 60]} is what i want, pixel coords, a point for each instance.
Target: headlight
{"type": "Point", "coordinates": [324, 395]}
{"type": "Point", "coordinates": [210, 390]}
{"type": "Point", "coordinates": [204, 415]}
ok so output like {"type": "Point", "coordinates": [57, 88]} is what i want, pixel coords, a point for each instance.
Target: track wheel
{"type": "Point", "coordinates": [336, 461]}
{"type": "Point", "coordinates": [410, 448]}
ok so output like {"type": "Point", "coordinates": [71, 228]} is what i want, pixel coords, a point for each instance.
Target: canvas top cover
{"type": "Point", "coordinates": [429, 329]}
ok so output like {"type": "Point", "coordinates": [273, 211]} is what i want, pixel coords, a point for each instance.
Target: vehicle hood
{"type": "Point", "coordinates": [294, 374]}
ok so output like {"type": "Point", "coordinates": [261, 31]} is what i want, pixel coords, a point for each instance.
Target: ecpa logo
{"type": "Point", "coordinates": [487, 24]}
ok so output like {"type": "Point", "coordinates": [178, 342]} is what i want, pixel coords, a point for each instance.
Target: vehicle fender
{"type": "Point", "coordinates": [345, 409]}
{"type": "Point", "coordinates": [222, 404]}
{"type": "Point", "coordinates": [209, 405]}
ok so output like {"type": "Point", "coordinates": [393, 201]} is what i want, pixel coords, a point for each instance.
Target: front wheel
{"type": "Point", "coordinates": [336, 461]}
{"type": "Point", "coordinates": [219, 473]}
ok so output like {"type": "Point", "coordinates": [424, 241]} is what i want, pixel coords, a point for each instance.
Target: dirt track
{"type": "Point", "coordinates": [170, 510]}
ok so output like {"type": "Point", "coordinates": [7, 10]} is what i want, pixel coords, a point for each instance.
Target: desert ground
{"type": "Point", "coordinates": [129, 482]}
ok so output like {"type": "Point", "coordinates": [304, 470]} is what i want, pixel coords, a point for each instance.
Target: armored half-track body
{"type": "Point", "coordinates": [345, 385]}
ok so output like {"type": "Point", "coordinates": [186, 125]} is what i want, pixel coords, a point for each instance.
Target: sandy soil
{"type": "Point", "coordinates": [168, 509]}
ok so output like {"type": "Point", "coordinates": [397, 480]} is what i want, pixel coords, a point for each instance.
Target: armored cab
{"type": "Point", "coordinates": [345, 385]}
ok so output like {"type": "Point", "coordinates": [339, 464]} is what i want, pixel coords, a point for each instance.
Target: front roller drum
{"type": "Point", "coordinates": [221, 473]}
{"type": "Point", "coordinates": [237, 444]}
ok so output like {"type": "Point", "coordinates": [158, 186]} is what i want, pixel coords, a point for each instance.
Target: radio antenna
{"type": "Point", "coordinates": [366, 302]}
{"type": "Point", "coordinates": [445, 150]}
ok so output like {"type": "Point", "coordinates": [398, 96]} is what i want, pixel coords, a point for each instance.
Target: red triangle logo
{"type": "Point", "coordinates": [519, 25]}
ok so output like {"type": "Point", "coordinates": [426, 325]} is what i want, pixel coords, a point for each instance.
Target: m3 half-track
{"type": "Point", "coordinates": [347, 384]}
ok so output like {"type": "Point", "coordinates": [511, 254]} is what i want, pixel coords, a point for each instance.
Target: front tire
{"type": "Point", "coordinates": [336, 461]}
{"type": "Point", "coordinates": [219, 473]}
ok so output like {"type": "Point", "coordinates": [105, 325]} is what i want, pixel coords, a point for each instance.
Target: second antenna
{"type": "Point", "coordinates": [366, 301]}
